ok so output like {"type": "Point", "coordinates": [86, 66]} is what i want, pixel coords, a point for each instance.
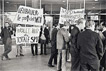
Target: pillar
{"type": "Point", "coordinates": [36, 4]}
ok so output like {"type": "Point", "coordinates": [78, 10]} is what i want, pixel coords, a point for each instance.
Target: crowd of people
{"type": "Point", "coordinates": [85, 41]}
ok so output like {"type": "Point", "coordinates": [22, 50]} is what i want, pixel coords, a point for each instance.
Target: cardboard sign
{"type": "Point", "coordinates": [70, 16]}
{"type": "Point", "coordinates": [27, 35]}
{"type": "Point", "coordinates": [28, 15]}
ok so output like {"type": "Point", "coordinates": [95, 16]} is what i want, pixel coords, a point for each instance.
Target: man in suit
{"type": "Point", "coordinates": [62, 39]}
{"type": "Point", "coordinates": [91, 48]}
{"type": "Point", "coordinates": [7, 41]}
{"type": "Point", "coordinates": [74, 31]}
{"type": "Point", "coordinates": [53, 48]}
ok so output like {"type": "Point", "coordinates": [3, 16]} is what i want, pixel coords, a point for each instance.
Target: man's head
{"type": "Point", "coordinates": [6, 24]}
{"type": "Point", "coordinates": [19, 25]}
{"type": "Point", "coordinates": [81, 23]}
{"type": "Point", "coordinates": [90, 25]}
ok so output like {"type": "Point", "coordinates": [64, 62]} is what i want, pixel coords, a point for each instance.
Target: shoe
{"type": "Point", "coordinates": [8, 59]}
{"type": "Point", "coordinates": [45, 54]}
{"type": "Point", "coordinates": [50, 65]}
{"type": "Point", "coordinates": [1, 57]}
{"type": "Point", "coordinates": [59, 70]}
{"type": "Point", "coordinates": [55, 63]}
{"type": "Point", "coordinates": [17, 55]}
{"type": "Point", "coordinates": [36, 54]}
{"type": "Point", "coordinates": [40, 53]}
{"type": "Point", "coordinates": [21, 55]}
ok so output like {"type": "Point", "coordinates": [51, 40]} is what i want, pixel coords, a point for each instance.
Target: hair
{"type": "Point", "coordinates": [89, 23]}
{"type": "Point", "coordinates": [61, 25]}
{"type": "Point", "coordinates": [81, 20]}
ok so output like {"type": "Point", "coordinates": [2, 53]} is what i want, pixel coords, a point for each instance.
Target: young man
{"type": "Point", "coordinates": [91, 48]}
{"type": "Point", "coordinates": [7, 41]}
{"type": "Point", "coordinates": [74, 31]}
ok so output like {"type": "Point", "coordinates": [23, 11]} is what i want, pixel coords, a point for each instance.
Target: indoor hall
{"type": "Point", "coordinates": [27, 20]}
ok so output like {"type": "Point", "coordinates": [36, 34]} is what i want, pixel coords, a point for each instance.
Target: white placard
{"type": "Point", "coordinates": [94, 18]}
{"type": "Point", "coordinates": [70, 16]}
{"type": "Point", "coordinates": [27, 35]}
{"type": "Point", "coordinates": [28, 15]}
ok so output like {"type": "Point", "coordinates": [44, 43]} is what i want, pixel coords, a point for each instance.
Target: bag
{"type": "Point", "coordinates": [43, 37]}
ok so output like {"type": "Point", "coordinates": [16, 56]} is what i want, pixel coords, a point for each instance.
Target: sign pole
{"type": "Point", "coordinates": [84, 10]}
{"type": "Point", "coordinates": [40, 4]}
{"type": "Point", "coordinates": [25, 23]}
{"type": "Point", "coordinates": [3, 12]}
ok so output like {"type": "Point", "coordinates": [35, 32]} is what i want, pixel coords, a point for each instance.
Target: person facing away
{"type": "Point", "coordinates": [74, 30]}
{"type": "Point", "coordinates": [53, 48]}
{"type": "Point", "coordinates": [7, 41]}
{"type": "Point", "coordinates": [62, 39]}
{"type": "Point", "coordinates": [91, 48]}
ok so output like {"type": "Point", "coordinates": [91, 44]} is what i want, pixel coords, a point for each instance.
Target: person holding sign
{"type": "Point", "coordinates": [19, 48]}
{"type": "Point", "coordinates": [36, 49]}
{"type": "Point", "coordinates": [7, 41]}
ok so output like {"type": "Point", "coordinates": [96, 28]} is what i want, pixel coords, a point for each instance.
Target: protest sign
{"type": "Point", "coordinates": [94, 17]}
{"type": "Point", "coordinates": [70, 16]}
{"type": "Point", "coordinates": [27, 35]}
{"type": "Point", "coordinates": [28, 15]}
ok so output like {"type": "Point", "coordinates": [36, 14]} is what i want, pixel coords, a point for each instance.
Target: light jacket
{"type": "Point", "coordinates": [62, 38]}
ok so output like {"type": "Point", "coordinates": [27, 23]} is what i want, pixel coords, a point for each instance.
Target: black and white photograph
{"type": "Point", "coordinates": [52, 35]}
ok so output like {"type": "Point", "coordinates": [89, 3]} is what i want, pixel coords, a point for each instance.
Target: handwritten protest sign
{"type": "Point", "coordinates": [27, 35]}
{"type": "Point", "coordinates": [70, 16]}
{"type": "Point", "coordinates": [28, 15]}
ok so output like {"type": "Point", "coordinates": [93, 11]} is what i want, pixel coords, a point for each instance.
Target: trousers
{"type": "Point", "coordinates": [61, 60]}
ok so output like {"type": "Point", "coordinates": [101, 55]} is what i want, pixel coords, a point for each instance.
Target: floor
{"type": "Point", "coordinates": [26, 63]}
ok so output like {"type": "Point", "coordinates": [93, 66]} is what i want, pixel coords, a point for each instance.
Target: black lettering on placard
{"type": "Point", "coordinates": [27, 18]}
{"type": "Point", "coordinates": [34, 39]}
{"type": "Point", "coordinates": [35, 30]}
{"type": "Point", "coordinates": [28, 11]}
{"type": "Point", "coordinates": [22, 39]}
{"type": "Point", "coordinates": [20, 10]}
{"type": "Point", "coordinates": [38, 19]}
{"type": "Point", "coordinates": [18, 18]}
{"type": "Point", "coordinates": [24, 18]}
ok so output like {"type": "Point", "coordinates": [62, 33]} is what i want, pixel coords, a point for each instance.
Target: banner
{"type": "Point", "coordinates": [94, 18]}
{"type": "Point", "coordinates": [27, 35]}
{"type": "Point", "coordinates": [28, 15]}
{"type": "Point", "coordinates": [70, 16]}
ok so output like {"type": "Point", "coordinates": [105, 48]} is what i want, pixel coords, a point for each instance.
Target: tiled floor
{"type": "Point", "coordinates": [26, 63]}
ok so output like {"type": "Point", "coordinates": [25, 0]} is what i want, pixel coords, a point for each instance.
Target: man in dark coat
{"type": "Point", "coordinates": [74, 31]}
{"type": "Point", "coordinates": [103, 60]}
{"type": "Point", "coordinates": [7, 41]}
{"type": "Point", "coordinates": [53, 48]}
{"type": "Point", "coordinates": [91, 48]}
